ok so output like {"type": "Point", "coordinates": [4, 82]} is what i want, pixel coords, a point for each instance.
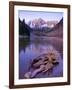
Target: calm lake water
{"type": "Point", "coordinates": [30, 48]}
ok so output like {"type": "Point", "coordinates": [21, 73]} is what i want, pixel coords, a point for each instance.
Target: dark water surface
{"type": "Point", "coordinates": [30, 48]}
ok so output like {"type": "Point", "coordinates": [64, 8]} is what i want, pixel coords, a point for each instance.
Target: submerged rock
{"type": "Point", "coordinates": [27, 75]}
{"type": "Point", "coordinates": [48, 66]}
{"type": "Point", "coordinates": [43, 64]}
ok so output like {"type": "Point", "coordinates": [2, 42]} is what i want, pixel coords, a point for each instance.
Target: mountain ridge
{"type": "Point", "coordinates": [38, 23]}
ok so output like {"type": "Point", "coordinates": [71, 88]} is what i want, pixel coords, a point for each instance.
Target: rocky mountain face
{"type": "Point", "coordinates": [40, 23]}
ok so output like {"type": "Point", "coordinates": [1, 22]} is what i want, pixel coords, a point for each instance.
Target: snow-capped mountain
{"type": "Point", "coordinates": [40, 23]}
{"type": "Point", "coordinates": [36, 23]}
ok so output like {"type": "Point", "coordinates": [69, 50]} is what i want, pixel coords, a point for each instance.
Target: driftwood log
{"type": "Point", "coordinates": [42, 63]}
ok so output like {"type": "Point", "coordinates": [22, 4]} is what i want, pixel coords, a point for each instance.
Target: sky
{"type": "Point", "coordinates": [47, 16]}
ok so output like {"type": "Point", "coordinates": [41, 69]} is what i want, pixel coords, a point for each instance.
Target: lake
{"type": "Point", "coordinates": [30, 48]}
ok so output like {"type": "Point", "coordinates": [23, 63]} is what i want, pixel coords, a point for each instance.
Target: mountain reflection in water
{"type": "Point", "coordinates": [30, 49]}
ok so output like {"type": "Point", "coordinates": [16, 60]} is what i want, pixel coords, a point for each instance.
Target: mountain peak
{"type": "Point", "coordinates": [39, 22]}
